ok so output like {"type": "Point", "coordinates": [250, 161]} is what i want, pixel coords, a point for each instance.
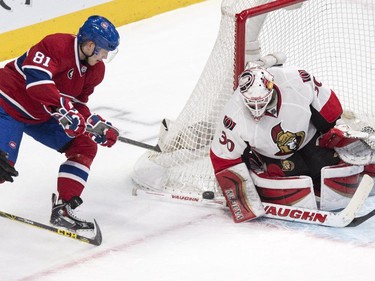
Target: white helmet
{"type": "Point", "coordinates": [256, 88]}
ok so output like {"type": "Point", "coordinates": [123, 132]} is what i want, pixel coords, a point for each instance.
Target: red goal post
{"type": "Point", "coordinates": [334, 40]}
{"type": "Point", "coordinates": [241, 19]}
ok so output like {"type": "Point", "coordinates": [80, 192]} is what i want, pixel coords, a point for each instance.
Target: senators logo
{"type": "Point", "coordinates": [287, 165]}
{"type": "Point", "coordinates": [229, 123]}
{"type": "Point", "coordinates": [304, 75]}
{"type": "Point", "coordinates": [287, 142]}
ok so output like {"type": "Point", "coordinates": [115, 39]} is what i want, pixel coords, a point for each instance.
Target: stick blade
{"type": "Point", "coordinates": [97, 240]}
{"type": "Point", "coordinates": [358, 200]}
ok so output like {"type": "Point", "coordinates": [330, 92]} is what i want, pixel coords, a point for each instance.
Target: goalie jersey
{"type": "Point", "coordinates": [303, 107]}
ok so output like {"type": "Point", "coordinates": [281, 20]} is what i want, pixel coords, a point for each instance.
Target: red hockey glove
{"type": "Point", "coordinates": [7, 171]}
{"type": "Point", "coordinates": [101, 131]}
{"type": "Point", "coordinates": [69, 118]}
{"type": "Point", "coordinates": [335, 137]}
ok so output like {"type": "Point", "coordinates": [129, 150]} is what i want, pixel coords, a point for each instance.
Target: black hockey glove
{"type": "Point", "coordinates": [7, 171]}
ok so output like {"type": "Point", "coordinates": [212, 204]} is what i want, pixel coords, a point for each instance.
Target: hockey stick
{"type": "Point", "coordinates": [289, 213]}
{"type": "Point", "coordinates": [97, 240]}
{"type": "Point", "coordinates": [335, 219]}
{"type": "Point", "coordinates": [101, 126]}
{"type": "Point", "coordinates": [99, 131]}
{"type": "Point", "coordinates": [359, 220]}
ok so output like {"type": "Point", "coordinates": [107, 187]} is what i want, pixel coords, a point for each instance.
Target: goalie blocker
{"type": "Point", "coordinates": [240, 193]}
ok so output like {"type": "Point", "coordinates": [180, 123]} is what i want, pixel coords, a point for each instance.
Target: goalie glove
{"type": "Point", "coordinates": [7, 171]}
{"type": "Point", "coordinates": [339, 136]}
{"type": "Point", "coordinates": [101, 131]}
{"type": "Point", "coordinates": [69, 118]}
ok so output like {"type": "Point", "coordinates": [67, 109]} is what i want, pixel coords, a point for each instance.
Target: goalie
{"type": "Point", "coordinates": [286, 118]}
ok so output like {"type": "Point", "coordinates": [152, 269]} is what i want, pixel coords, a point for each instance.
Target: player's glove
{"type": "Point", "coordinates": [101, 131]}
{"type": "Point", "coordinates": [69, 118]}
{"type": "Point", "coordinates": [335, 137]}
{"type": "Point", "coordinates": [7, 171]}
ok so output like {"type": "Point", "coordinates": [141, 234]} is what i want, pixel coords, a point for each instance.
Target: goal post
{"type": "Point", "coordinates": [334, 40]}
{"type": "Point", "coordinates": [242, 25]}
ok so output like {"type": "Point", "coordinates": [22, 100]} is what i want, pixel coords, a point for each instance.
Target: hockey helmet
{"type": "Point", "coordinates": [101, 31]}
{"type": "Point", "coordinates": [256, 89]}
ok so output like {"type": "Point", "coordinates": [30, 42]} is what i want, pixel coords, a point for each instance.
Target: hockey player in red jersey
{"type": "Point", "coordinates": [285, 117]}
{"type": "Point", "coordinates": [44, 92]}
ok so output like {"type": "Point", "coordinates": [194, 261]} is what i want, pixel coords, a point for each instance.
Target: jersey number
{"type": "Point", "coordinates": [40, 58]}
{"type": "Point", "coordinates": [225, 141]}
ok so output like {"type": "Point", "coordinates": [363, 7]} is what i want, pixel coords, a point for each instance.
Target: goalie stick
{"type": "Point", "coordinates": [343, 218]}
{"type": "Point", "coordinates": [359, 220]}
{"type": "Point", "coordinates": [97, 240]}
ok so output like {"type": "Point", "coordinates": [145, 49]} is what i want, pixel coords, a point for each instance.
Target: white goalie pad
{"type": "Point", "coordinates": [293, 191]}
{"type": "Point", "coordinates": [148, 174]}
{"type": "Point", "coordinates": [338, 184]}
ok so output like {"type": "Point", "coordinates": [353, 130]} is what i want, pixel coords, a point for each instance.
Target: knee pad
{"type": "Point", "coordinates": [82, 150]}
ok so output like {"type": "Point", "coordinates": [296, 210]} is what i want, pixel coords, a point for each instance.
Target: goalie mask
{"type": "Point", "coordinates": [256, 88]}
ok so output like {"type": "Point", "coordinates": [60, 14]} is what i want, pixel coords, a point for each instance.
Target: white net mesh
{"type": "Point", "coordinates": [334, 40]}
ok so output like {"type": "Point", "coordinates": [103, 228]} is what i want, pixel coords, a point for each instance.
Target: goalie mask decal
{"type": "Point", "coordinates": [286, 141]}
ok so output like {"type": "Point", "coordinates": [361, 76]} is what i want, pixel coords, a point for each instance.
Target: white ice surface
{"type": "Point", "coordinates": [159, 62]}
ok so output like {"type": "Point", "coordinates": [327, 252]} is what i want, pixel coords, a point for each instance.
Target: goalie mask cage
{"type": "Point", "coordinates": [333, 40]}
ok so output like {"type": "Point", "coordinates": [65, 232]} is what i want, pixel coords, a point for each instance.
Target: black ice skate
{"type": "Point", "coordinates": [64, 215]}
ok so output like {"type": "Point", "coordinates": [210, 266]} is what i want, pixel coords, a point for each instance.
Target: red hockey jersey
{"type": "Point", "coordinates": [50, 69]}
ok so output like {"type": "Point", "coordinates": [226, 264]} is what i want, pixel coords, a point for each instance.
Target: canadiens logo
{"type": "Point", "coordinates": [12, 145]}
{"type": "Point", "coordinates": [70, 74]}
{"type": "Point", "coordinates": [229, 123]}
{"type": "Point", "coordinates": [104, 24]}
{"type": "Point", "coordinates": [286, 141]}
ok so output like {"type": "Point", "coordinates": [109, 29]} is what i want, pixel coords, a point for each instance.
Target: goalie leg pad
{"type": "Point", "coordinates": [240, 193]}
{"type": "Point", "coordinates": [294, 191]}
{"type": "Point", "coordinates": [338, 184]}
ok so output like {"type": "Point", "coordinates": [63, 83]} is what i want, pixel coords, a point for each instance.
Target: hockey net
{"type": "Point", "coordinates": [334, 40]}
